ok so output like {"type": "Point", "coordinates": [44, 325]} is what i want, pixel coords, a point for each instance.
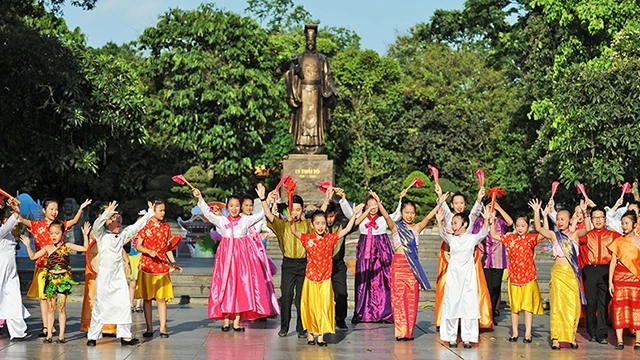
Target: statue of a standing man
{"type": "Point", "coordinates": [312, 96]}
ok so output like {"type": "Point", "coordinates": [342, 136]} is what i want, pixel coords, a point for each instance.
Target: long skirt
{"type": "Point", "coordinates": [154, 287]}
{"type": "Point", "coordinates": [237, 283]}
{"type": "Point", "coordinates": [10, 298]}
{"type": "Point", "coordinates": [564, 300]}
{"type": "Point", "coordinates": [626, 299]}
{"type": "Point", "coordinates": [87, 305]}
{"type": "Point", "coordinates": [525, 298]}
{"type": "Point", "coordinates": [405, 295]}
{"type": "Point", "coordinates": [372, 283]}
{"type": "Point", "coordinates": [269, 269]}
{"type": "Point", "coordinates": [316, 307]}
{"type": "Point", "coordinates": [36, 290]}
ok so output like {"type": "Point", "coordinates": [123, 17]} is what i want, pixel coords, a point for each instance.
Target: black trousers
{"type": "Point", "coordinates": [291, 289]}
{"type": "Point", "coordinates": [596, 290]}
{"type": "Point", "coordinates": [494, 284]}
{"type": "Point", "coordinates": [339, 283]}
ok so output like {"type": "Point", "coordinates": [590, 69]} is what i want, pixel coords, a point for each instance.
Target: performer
{"type": "Point", "coordinates": [238, 289]}
{"type": "Point", "coordinates": [460, 303]}
{"type": "Point", "coordinates": [317, 309]}
{"type": "Point", "coordinates": [373, 264]}
{"type": "Point", "coordinates": [566, 293]}
{"type": "Point", "coordinates": [614, 215]}
{"type": "Point", "coordinates": [624, 280]}
{"type": "Point", "coordinates": [524, 293]}
{"type": "Point", "coordinates": [154, 281]}
{"type": "Point", "coordinates": [40, 231]}
{"type": "Point", "coordinates": [58, 280]}
{"type": "Point", "coordinates": [459, 204]}
{"type": "Point", "coordinates": [112, 291]}
{"type": "Point", "coordinates": [11, 307]}
{"type": "Point", "coordinates": [595, 275]}
{"type": "Point", "coordinates": [269, 267]}
{"type": "Point", "coordinates": [494, 257]}
{"type": "Point", "coordinates": [133, 271]}
{"type": "Point", "coordinates": [406, 272]}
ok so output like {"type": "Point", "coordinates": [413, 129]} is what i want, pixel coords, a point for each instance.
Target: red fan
{"type": "Point", "coordinates": [554, 188]}
{"type": "Point", "coordinates": [626, 188]}
{"type": "Point", "coordinates": [417, 182]}
{"type": "Point", "coordinates": [290, 186]}
{"type": "Point", "coordinates": [324, 186]}
{"type": "Point", "coordinates": [282, 181]}
{"type": "Point", "coordinates": [7, 195]}
{"type": "Point", "coordinates": [181, 180]}
{"type": "Point", "coordinates": [434, 172]}
{"type": "Point", "coordinates": [173, 244]}
{"type": "Point", "coordinates": [494, 193]}
{"type": "Point", "coordinates": [582, 189]}
{"type": "Point", "coordinates": [480, 175]}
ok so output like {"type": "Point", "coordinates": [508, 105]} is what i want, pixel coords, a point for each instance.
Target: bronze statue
{"type": "Point", "coordinates": [312, 96]}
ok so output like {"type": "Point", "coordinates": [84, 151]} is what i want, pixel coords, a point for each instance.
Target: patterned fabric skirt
{"type": "Point", "coordinates": [58, 284]}
{"type": "Point", "coordinates": [36, 290]}
{"type": "Point", "coordinates": [405, 295]}
{"type": "Point", "coordinates": [372, 282]}
{"type": "Point", "coordinates": [626, 299]}
{"type": "Point", "coordinates": [525, 298]}
{"type": "Point", "coordinates": [564, 300]}
{"type": "Point", "coordinates": [316, 307]}
{"type": "Point", "coordinates": [154, 287]}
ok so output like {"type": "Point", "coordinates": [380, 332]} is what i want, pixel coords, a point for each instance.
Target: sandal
{"type": "Point", "coordinates": [527, 341]}
{"type": "Point", "coordinates": [513, 339]}
{"type": "Point", "coordinates": [138, 309]}
{"type": "Point", "coordinates": [636, 346]}
{"type": "Point", "coordinates": [47, 340]}
{"type": "Point", "coordinates": [574, 345]}
{"type": "Point", "coordinates": [43, 332]}
{"type": "Point", "coordinates": [61, 341]}
{"type": "Point", "coordinates": [620, 346]}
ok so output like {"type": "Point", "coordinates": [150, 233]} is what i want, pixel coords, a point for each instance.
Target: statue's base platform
{"type": "Point", "coordinates": [308, 171]}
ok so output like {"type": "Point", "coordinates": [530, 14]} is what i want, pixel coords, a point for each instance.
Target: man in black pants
{"type": "Point", "coordinates": [595, 258]}
{"type": "Point", "coordinates": [294, 261]}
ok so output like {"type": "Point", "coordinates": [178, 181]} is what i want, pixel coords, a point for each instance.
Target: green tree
{"type": "Point", "coordinates": [200, 179]}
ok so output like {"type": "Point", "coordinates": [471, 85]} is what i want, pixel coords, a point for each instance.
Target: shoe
{"type": "Point", "coordinates": [408, 339]}
{"type": "Point", "coordinates": [592, 339]}
{"type": "Point", "coordinates": [467, 345]}
{"type": "Point", "coordinates": [513, 339]}
{"type": "Point", "coordinates": [149, 334]}
{"type": "Point", "coordinates": [554, 347]}
{"type": "Point", "coordinates": [238, 329]}
{"type": "Point", "coordinates": [636, 346]}
{"type": "Point", "coordinates": [341, 325]}
{"type": "Point", "coordinates": [302, 335]}
{"type": "Point", "coordinates": [164, 335]}
{"type": "Point", "coordinates": [131, 342]}
{"type": "Point", "coordinates": [47, 341]}
{"type": "Point", "coordinates": [43, 332]}
{"type": "Point", "coordinates": [133, 309]}
{"type": "Point", "coordinates": [603, 341]}
{"type": "Point", "coordinates": [61, 341]}
{"type": "Point", "coordinates": [620, 346]}
{"type": "Point", "coordinates": [311, 342]}
{"type": "Point", "coordinates": [574, 345]}
{"type": "Point", "coordinates": [226, 328]}
{"type": "Point", "coordinates": [91, 343]}
{"type": "Point", "coordinates": [322, 343]}
{"type": "Point", "coordinates": [283, 333]}
{"type": "Point", "coordinates": [527, 341]}
{"type": "Point", "coordinates": [399, 339]}
{"type": "Point", "coordinates": [26, 337]}
{"type": "Point", "coordinates": [453, 344]}
{"type": "Point", "coordinates": [139, 309]}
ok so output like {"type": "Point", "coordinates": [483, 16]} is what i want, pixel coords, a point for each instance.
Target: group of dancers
{"type": "Point", "coordinates": [596, 258]}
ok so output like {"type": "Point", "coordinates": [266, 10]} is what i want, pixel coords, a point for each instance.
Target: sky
{"type": "Point", "coordinates": [377, 22]}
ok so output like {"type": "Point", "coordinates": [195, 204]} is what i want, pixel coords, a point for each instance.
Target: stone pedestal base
{"type": "Point", "coordinates": [308, 171]}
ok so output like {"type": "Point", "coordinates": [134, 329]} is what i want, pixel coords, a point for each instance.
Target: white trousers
{"type": "Point", "coordinates": [123, 331]}
{"type": "Point", "coordinates": [17, 327]}
{"type": "Point", "coordinates": [469, 330]}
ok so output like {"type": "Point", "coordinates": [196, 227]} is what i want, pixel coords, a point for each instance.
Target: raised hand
{"type": "Point", "coordinates": [261, 191]}
{"type": "Point", "coordinates": [619, 202]}
{"type": "Point", "coordinates": [374, 196]}
{"type": "Point", "coordinates": [216, 210]}
{"type": "Point", "coordinates": [13, 203]}
{"type": "Point", "coordinates": [25, 240]}
{"type": "Point", "coordinates": [438, 190]}
{"type": "Point", "coordinates": [85, 204]}
{"type": "Point", "coordinates": [547, 209]}
{"type": "Point", "coordinates": [551, 204]}
{"type": "Point", "coordinates": [197, 194]}
{"type": "Point", "coordinates": [535, 205]}
{"type": "Point", "coordinates": [340, 192]}
{"type": "Point", "coordinates": [583, 205]}
{"type": "Point", "coordinates": [330, 192]}
{"type": "Point", "coordinates": [403, 193]}
{"type": "Point", "coordinates": [440, 215]}
{"type": "Point", "coordinates": [111, 208]}
{"type": "Point", "coordinates": [487, 213]}
{"type": "Point", "coordinates": [443, 197]}
{"type": "Point", "coordinates": [86, 229]}
{"type": "Point", "coordinates": [358, 209]}
{"type": "Point", "coordinates": [481, 193]}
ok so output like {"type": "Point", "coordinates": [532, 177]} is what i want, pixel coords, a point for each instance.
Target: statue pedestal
{"type": "Point", "coordinates": [308, 171]}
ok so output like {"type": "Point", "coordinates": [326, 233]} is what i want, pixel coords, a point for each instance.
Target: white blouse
{"type": "Point", "coordinates": [380, 221]}
{"type": "Point", "coordinates": [223, 224]}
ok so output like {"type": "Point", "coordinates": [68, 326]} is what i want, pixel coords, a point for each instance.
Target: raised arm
{"type": "Point", "coordinates": [130, 231]}
{"type": "Point", "coordinates": [484, 231]}
{"type": "Point", "coordinates": [294, 231]}
{"type": "Point", "coordinates": [344, 232]}
{"type": "Point", "coordinates": [504, 214]}
{"type": "Point", "coordinates": [327, 198]}
{"type": "Point", "coordinates": [427, 219]}
{"type": "Point", "coordinates": [536, 205]}
{"type": "Point", "coordinates": [27, 243]}
{"type": "Point", "coordinates": [7, 227]}
{"type": "Point", "coordinates": [76, 218]}
{"type": "Point", "coordinates": [492, 230]}
{"type": "Point", "coordinates": [86, 229]}
{"type": "Point", "coordinates": [440, 217]}
{"type": "Point", "coordinates": [217, 220]}
{"type": "Point", "coordinates": [98, 225]}
{"type": "Point", "coordinates": [587, 220]}
{"type": "Point", "coordinates": [347, 210]}
{"type": "Point", "coordinates": [264, 200]}
{"type": "Point", "coordinates": [390, 223]}
{"type": "Point", "coordinates": [396, 215]}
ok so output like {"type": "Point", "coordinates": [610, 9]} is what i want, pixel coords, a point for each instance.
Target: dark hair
{"type": "Point", "coordinates": [522, 216]}
{"type": "Point", "coordinates": [48, 201]}
{"type": "Point", "coordinates": [597, 208]}
{"type": "Point", "coordinates": [464, 216]}
{"type": "Point", "coordinates": [57, 223]}
{"type": "Point", "coordinates": [297, 199]}
{"type": "Point", "coordinates": [406, 202]}
{"type": "Point", "coordinates": [458, 193]}
{"type": "Point", "coordinates": [246, 197]}
{"type": "Point", "coordinates": [332, 208]}
{"type": "Point", "coordinates": [635, 202]}
{"type": "Point", "coordinates": [5, 213]}
{"type": "Point", "coordinates": [366, 200]}
{"type": "Point", "coordinates": [317, 213]}
{"type": "Point", "coordinates": [234, 196]}
{"type": "Point", "coordinates": [157, 201]}
{"type": "Point", "coordinates": [631, 214]}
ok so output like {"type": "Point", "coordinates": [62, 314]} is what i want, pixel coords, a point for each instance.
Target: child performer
{"type": "Point", "coordinates": [294, 259]}
{"type": "Point", "coordinates": [238, 289]}
{"type": "Point", "coordinates": [154, 281]}
{"type": "Point", "coordinates": [134, 266]}
{"type": "Point", "coordinates": [524, 293]}
{"type": "Point", "coordinates": [406, 271]}
{"type": "Point", "coordinates": [317, 309]}
{"type": "Point", "coordinates": [11, 307]}
{"type": "Point", "coordinates": [40, 231]}
{"type": "Point", "coordinates": [112, 291]}
{"type": "Point", "coordinates": [58, 280]}
{"type": "Point", "coordinates": [624, 280]}
{"type": "Point", "coordinates": [373, 264]}
{"type": "Point", "coordinates": [566, 293]}
{"type": "Point", "coordinates": [460, 303]}
{"type": "Point", "coordinates": [254, 232]}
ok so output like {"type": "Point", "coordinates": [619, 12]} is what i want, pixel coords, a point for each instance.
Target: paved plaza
{"type": "Point", "coordinates": [195, 337]}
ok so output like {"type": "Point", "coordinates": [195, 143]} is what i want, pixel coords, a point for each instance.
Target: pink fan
{"type": "Point", "coordinates": [434, 172]}
{"type": "Point", "coordinates": [582, 189]}
{"type": "Point", "coordinates": [626, 188]}
{"type": "Point", "coordinates": [480, 175]}
{"type": "Point", "coordinates": [554, 188]}
{"type": "Point", "coordinates": [181, 180]}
